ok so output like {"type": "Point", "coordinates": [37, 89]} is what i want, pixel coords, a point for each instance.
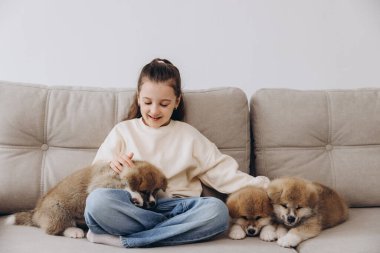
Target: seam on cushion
{"type": "Point", "coordinates": [73, 148]}
{"type": "Point", "coordinates": [323, 147]}
{"type": "Point", "coordinates": [13, 147]}
{"type": "Point", "coordinates": [234, 149]}
{"type": "Point", "coordinates": [258, 142]}
{"type": "Point", "coordinates": [329, 123]}
{"type": "Point", "coordinates": [116, 107]}
{"type": "Point", "coordinates": [248, 140]}
{"type": "Point", "coordinates": [329, 139]}
{"type": "Point", "coordinates": [47, 102]}
{"type": "Point", "coordinates": [295, 148]}
{"type": "Point", "coordinates": [357, 146]}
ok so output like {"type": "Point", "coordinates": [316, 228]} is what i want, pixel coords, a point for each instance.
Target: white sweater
{"type": "Point", "coordinates": [182, 153]}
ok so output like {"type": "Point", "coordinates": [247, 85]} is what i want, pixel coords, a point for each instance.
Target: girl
{"type": "Point", "coordinates": [154, 132]}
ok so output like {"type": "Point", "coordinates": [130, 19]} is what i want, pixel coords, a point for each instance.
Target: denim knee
{"type": "Point", "coordinates": [97, 200]}
{"type": "Point", "coordinates": [102, 201]}
{"type": "Point", "coordinates": [217, 211]}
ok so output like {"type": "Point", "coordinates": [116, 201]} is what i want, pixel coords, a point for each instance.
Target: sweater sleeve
{"type": "Point", "coordinates": [112, 146]}
{"type": "Point", "coordinates": [221, 171]}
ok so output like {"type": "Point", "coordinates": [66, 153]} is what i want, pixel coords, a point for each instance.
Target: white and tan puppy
{"type": "Point", "coordinates": [250, 210]}
{"type": "Point", "coordinates": [303, 209]}
{"type": "Point", "coordinates": [61, 210]}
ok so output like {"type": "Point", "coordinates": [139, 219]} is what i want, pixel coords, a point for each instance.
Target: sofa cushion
{"type": "Point", "coordinates": [359, 234]}
{"type": "Point", "coordinates": [329, 136]}
{"type": "Point", "coordinates": [47, 133]}
{"type": "Point", "coordinates": [35, 240]}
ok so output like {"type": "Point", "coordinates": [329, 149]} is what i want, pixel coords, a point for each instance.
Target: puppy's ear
{"type": "Point", "coordinates": [233, 206]}
{"type": "Point", "coordinates": [134, 181]}
{"type": "Point", "coordinates": [267, 206]}
{"type": "Point", "coordinates": [274, 190]}
{"type": "Point", "coordinates": [164, 184]}
{"type": "Point", "coordinates": [160, 181]}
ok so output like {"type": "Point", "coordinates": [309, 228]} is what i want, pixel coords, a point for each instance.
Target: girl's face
{"type": "Point", "coordinates": [157, 102]}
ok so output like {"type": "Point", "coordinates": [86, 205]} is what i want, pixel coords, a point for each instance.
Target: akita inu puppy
{"type": "Point", "coordinates": [61, 210]}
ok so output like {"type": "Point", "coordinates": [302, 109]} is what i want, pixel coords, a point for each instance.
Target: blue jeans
{"type": "Point", "coordinates": [171, 222]}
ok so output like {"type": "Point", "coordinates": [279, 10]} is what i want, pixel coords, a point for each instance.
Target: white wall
{"type": "Point", "coordinates": [251, 44]}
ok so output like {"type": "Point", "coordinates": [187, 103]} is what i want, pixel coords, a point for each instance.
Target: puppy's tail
{"type": "Point", "coordinates": [21, 218]}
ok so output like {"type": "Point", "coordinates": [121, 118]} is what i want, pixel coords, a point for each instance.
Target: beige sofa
{"type": "Point", "coordinates": [47, 133]}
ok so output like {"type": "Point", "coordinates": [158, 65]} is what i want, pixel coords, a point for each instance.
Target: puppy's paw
{"type": "Point", "coordinates": [268, 233]}
{"type": "Point", "coordinates": [236, 232]}
{"type": "Point", "coordinates": [73, 232]}
{"type": "Point", "coordinates": [10, 220]}
{"type": "Point", "coordinates": [136, 198]}
{"type": "Point", "coordinates": [289, 240]}
{"type": "Point", "coordinates": [281, 231]}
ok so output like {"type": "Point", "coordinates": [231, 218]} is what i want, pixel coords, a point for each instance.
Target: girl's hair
{"type": "Point", "coordinates": [159, 70]}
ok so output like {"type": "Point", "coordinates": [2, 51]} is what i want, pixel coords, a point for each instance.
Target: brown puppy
{"type": "Point", "coordinates": [251, 211]}
{"type": "Point", "coordinates": [61, 209]}
{"type": "Point", "coordinates": [303, 209]}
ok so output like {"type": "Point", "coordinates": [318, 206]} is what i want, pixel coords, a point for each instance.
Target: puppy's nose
{"type": "Point", "coordinates": [151, 204]}
{"type": "Point", "coordinates": [251, 232]}
{"type": "Point", "coordinates": [291, 219]}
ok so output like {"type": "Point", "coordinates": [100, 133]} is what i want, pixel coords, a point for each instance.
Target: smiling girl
{"type": "Point", "coordinates": [154, 132]}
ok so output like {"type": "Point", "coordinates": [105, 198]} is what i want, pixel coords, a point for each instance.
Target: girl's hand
{"type": "Point", "coordinates": [122, 160]}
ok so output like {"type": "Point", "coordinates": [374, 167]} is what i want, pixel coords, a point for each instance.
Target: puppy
{"type": "Point", "coordinates": [303, 209]}
{"type": "Point", "coordinates": [250, 210]}
{"type": "Point", "coordinates": [61, 210]}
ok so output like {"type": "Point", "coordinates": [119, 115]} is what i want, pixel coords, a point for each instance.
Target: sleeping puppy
{"type": "Point", "coordinates": [250, 210]}
{"type": "Point", "coordinates": [303, 209]}
{"type": "Point", "coordinates": [61, 210]}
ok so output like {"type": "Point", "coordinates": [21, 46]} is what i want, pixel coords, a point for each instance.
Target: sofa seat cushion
{"type": "Point", "coordinates": [360, 234]}
{"type": "Point", "coordinates": [329, 136]}
{"type": "Point", "coordinates": [16, 239]}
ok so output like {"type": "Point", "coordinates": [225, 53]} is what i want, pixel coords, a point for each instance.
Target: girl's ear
{"type": "Point", "coordinates": [177, 101]}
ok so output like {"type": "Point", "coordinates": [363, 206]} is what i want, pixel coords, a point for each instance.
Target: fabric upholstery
{"type": "Point", "coordinates": [34, 240]}
{"type": "Point", "coordinates": [360, 234]}
{"type": "Point", "coordinates": [332, 137]}
{"type": "Point", "coordinates": [46, 133]}
{"type": "Point", "coordinates": [357, 235]}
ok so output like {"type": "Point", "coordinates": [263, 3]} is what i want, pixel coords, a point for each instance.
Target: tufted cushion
{"type": "Point", "coordinates": [332, 137]}
{"type": "Point", "coordinates": [47, 133]}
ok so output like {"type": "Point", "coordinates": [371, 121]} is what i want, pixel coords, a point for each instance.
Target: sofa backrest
{"type": "Point", "coordinates": [46, 133]}
{"type": "Point", "coordinates": [332, 137]}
